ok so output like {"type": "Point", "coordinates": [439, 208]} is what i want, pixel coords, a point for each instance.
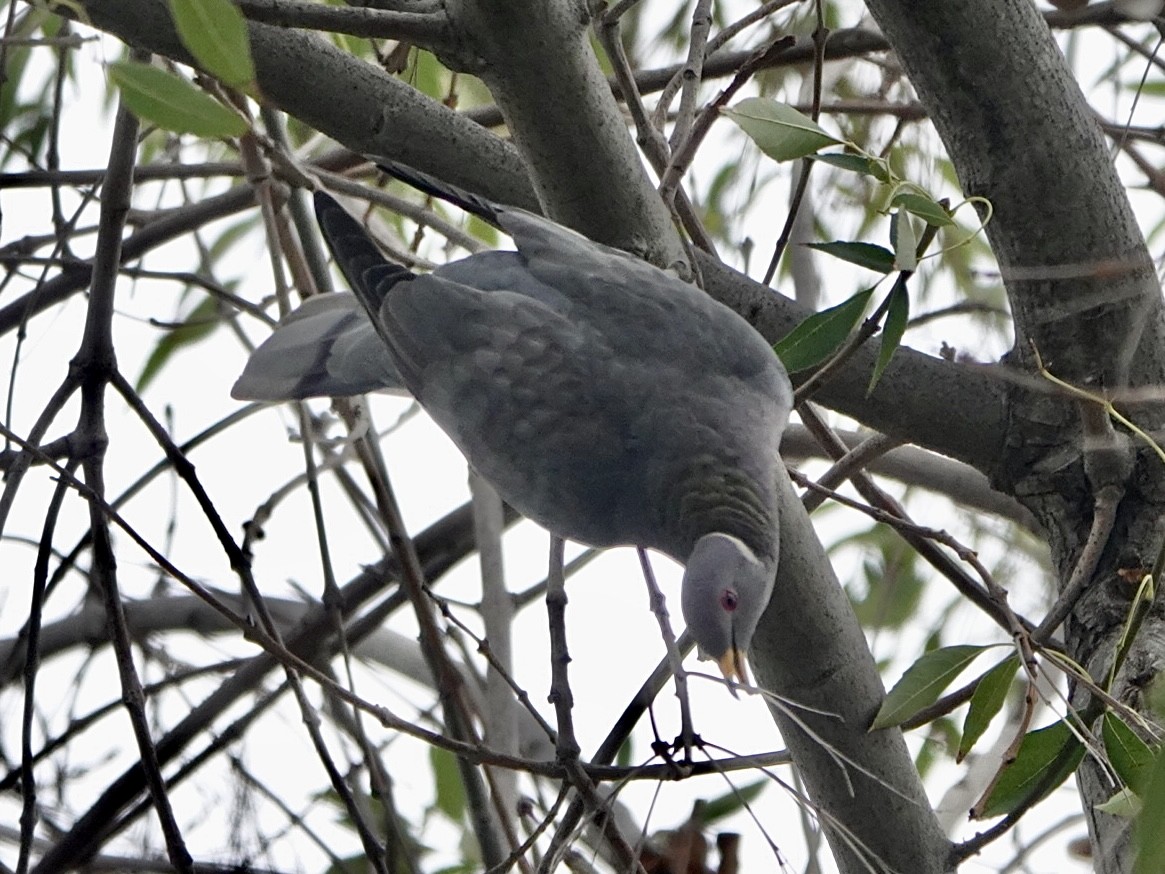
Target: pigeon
{"type": "Point", "coordinates": [605, 399]}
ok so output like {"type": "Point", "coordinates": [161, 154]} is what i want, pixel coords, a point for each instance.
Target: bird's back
{"type": "Point", "coordinates": [586, 384]}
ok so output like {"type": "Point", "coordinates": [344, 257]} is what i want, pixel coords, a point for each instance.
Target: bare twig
{"type": "Point", "coordinates": [430, 29]}
{"type": "Point", "coordinates": [692, 73]}
{"type": "Point", "coordinates": [28, 812]}
{"type": "Point", "coordinates": [654, 146]}
{"type": "Point", "coordinates": [820, 38]}
{"type": "Point", "coordinates": [94, 364]}
{"type": "Point", "coordinates": [566, 745]}
{"type": "Point", "coordinates": [675, 660]}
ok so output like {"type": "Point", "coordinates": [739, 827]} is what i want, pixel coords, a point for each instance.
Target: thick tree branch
{"type": "Point", "coordinates": [572, 136]}
{"type": "Point", "coordinates": [810, 652]}
{"type": "Point", "coordinates": [354, 102]}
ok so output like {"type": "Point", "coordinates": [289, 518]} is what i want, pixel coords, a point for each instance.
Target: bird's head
{"type": "Point", "coordinates": [725, 590]}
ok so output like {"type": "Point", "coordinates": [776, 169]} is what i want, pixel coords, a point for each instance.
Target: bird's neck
{"type": "Point", "coordinates": [711, 498]}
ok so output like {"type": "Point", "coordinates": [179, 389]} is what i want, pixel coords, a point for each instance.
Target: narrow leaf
{"type": "Point", "coordinates": [1123, 803]}
{"type": "Point", "coordinates": [447, 777]}
{"type": "Point", "coordinates": [1151, 823]}
{"type": "Point", "coordinates": [866, 255]}
{"type": "Point", "coordinates": [201, 323]}
{"type": "Point", "coordinates": [626, 752]}
{"type": "Point", "coordinates": [732, 802]}
{"type": "Point", "coordinates": [1130, 757]}
{"type": "Point", "coordinates": [816, 338]}
{"type": "Point", "coordinates": [172, 103]}
{"type": "Point", "coordinates": [923, 682]}
{"type": "Point", "coordinates": [930, 211]}
{"type": "Point", "coordinates": [897, 315]}
{"type": "Point", "coordinates": [905, 243]}
{"type": "Point", "coordinates": [986, 702]}
{"type": "Point", "coordinates": [1038, 754]}
{"type": "Point", "coordinates": [780, 131]}
{"type": "Point", "coordinates": [215, 32]}
{"type": "Point", "coordinates": [845, 161]}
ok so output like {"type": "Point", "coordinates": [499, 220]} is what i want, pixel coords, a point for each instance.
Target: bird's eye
{"type": "Point", "coordinates": [729, 600]}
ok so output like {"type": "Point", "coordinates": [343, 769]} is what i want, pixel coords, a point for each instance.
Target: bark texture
{"type": "Point", "coordinates": [1083, 292]}
{"type": "Point", "coordinates": [810, 652]}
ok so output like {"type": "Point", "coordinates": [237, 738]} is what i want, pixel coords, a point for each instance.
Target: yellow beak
{"type": "Point", "coordinates": [734, 667]}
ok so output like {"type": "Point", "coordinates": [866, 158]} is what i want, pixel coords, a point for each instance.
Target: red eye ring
{"type": "Point", "coordinates": [729, 600]}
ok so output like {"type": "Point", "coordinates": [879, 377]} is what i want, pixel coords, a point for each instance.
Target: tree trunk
{"type": "Point", "coordinates": [1083, 293]}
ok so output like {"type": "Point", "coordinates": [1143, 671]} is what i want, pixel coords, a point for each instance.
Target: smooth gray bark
{"type": "Point", "coordinates": [537, 60]}
{"type": "Point", "coordinates": [355, 103]}
{"type": "Point", "coordinates": [811, 653]}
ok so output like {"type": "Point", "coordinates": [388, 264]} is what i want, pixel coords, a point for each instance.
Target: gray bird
{"type": "Point", "coordinates": [603, 398]}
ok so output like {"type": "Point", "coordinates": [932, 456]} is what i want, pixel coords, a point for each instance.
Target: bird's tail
{"type": "Point", "coordinates": [369, 274]}
{"type": "Point", "coordinates": [484, 209]}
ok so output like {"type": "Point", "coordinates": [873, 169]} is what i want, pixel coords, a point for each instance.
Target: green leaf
{"type": "Point", "coordinates": [930, 211]}
{"type": "Point", "coordinates": [897, 315]}
{"type": "Point", "coordinates": [941, 736]}
{"type": "Point", "coordinates": [1151, 823]}
{"type": "Point", "coordinates": [923, 682]}
{"type": "Point", "coordinates": [1156, 696]}
{"type": "Point", "coordinates": [780, 131]}
{"type": "Point", "coordinates": [450, 789]}
{"type": "Point", "coordinates": [1038, 753]}
{"type": "Point", "coordinates": [215, 32]}
{"type": "Point", "coordinates": [986, 702]}
{"type": "Point", "coordinates": [892, 577]}
{"type": "Point", "coordinates": [1130, 757]}
{"type": "Point", "coordinates": [905, 242]}
{"type": "Point", "coordinates": [625, 753]}
{"type": "Point", "coordinates": [854, 163]}
{"type": "Point", "coordinates": [1124, 803]}
{"type": "Point", "coordinates": [816, 338]}
{"type": "Point", "coordinates": [1147, 89]}
{"type": "Point", "coordinates": [172, 103]}
{"type": "Point", "coordinates": [732, 802]}
{"type": "Point", "coordinates": [868, 255]}
{"type": "Point", "coordinates": [201, 323]}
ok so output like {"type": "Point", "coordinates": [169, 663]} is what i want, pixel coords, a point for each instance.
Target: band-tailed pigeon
{"type": "Point", "coordinates": [603, 398]}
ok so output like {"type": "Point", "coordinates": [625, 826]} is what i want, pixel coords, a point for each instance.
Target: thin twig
{"type": "Point", "coordinates": [887, 510]}
{"type": "Point", "coordinates": [675, 661]}
{"type": "Point", "coordinates": [730, 31]}
{"type": "Point", "coordinates": [429, 28]}
{"type": "Point", "coordinates": [1103, 518]}
{"type": "Point", "coordinates": [654, 146]}
{"type": "Point", "coordinates": [566, 745]}
{"type": "Point", "coordinates": [820, 38]}
{"type": "Point", "coordinates": [692, 73]}
{"type": "Point", "coordinates": [28, 813]}
{"type": "Point", "coordinates": [94, 363]}
{"type": "Point", "coordinates": [850, 464]}
{"type": "Point", "coordinates": [685, 151]}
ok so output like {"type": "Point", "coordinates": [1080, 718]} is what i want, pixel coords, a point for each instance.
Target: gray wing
{"type": "Point", "coordinates": [655, 315]}
{"type": "Point", "coordinates": [325, 348]}
{"type": "Point", "coordinates": [532, 399]}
